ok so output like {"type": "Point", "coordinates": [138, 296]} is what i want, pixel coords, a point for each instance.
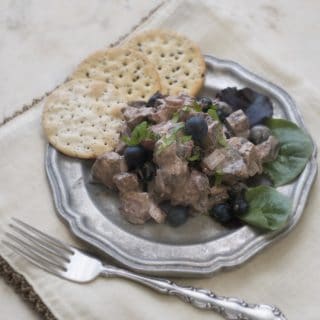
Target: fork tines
{"type": "Point", "coordinates": [42, 250]}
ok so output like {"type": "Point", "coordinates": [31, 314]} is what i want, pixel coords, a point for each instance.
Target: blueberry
{"type": "Point", "coordinates": [240, 206]}
{"type": "Point", "coordinates": [197, 128]}
{"type": "Point", "coordinates": [205, 103]}
{"type": "Point", "coordinates": [223, 110]}
{"type": "Point", "coordinates": [259, 134]}
{"type": "Point", "coordinates": [135, 156]}
{"type": "Point", "coordinates": [176, 215]}
{"type": "Point", "coordinates": [260, 110]}
{"type": "Point", "coordinates": [222, 213]}
{"type": "Point", "coordinates": [152, 102]}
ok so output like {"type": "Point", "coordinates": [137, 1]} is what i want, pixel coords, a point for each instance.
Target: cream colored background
{"type": "Point", "coordinates": [276, 39]}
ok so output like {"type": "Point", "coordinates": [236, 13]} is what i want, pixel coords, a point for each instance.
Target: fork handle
{"type": "Point", "coordinates": [229, 308]}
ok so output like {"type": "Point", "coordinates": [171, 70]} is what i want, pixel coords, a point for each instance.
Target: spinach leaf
{"type": "Point", "coordinates": [268, 208]}
{"type": "Point", "coordinates": [295, 150]}
{"type": "Point", "coordinates": [139, 133]}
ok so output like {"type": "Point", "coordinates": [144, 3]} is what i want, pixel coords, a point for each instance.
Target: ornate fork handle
{"type": "Point", "coordinates": [229, 308]}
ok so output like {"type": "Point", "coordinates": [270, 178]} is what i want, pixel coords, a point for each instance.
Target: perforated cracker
{"type": "Point", "coordinates": [128, 70]}
{"type": "Point", "coordinates": [178, 60]}
{"type": "Point", "coordinates": [83, 118]}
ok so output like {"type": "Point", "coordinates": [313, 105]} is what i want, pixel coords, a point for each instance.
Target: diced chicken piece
{"type": "Point", "coordinates": [172, 171]}
{"type": "Point", "coordinates": [227, 161]}
{"type": "Point", "coordinates": [213, 160]}
{"type": "Point", "coordinates": [184, 150]}
{"type": "Point", "coordinates": [218, 194]}
{"type": "Point", "coordinates": [156, 213]}
{"type": "Point", "coordinates": [106, 166]}
{"type": "Point", "coordinates": [134, 116]}
{"type": "Point", "coordinates": [187, 100]}
{"type": "Point", "coordinates": [177, 101]}
{"type": "Point", "coordinates": [163, 128]}
{"type": "Point", "coordinates": [238, 123]}
{"type": "Point", "coordinates": [167, 179]}
{"type": "Point", "coordinates": [194, 193]}
{"type": "Point", "coordinates": [233, 166]}
{"type": "Point", "coordinates": [126, 182]}
{"type": "Point", "coordinates": [164, 113]}
{"type": "Point", "coordinates": [167, 107]}
{"type": "Point", "coordinates": [168, 158]}
{"type": "Point", "coordinates": [135, 207]}
{"type": "Point", "coordinates": [249, 153]}
{"type": "Point", "coordinates": [215, 132]}
{"type": "Point", "coordinates": [268, 150]}
{"type": "Point", "coordinates": [138, 207]}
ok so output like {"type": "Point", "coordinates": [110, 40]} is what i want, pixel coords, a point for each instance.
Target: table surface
{"type": "Point", "coordinates": [35, 31]}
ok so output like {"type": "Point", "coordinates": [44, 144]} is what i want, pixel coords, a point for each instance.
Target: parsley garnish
{"type": "Point", "coordinates": [194, 157]}
{"type": "Point", "coordinates": [175, 117]}
{"type": "Point", "coordinates": [186, 109]}
{"type": "Point", "coordinates": [185, 139]}
{"type": "Point", "coordinates": [212, 112]}
{"type": "Point", "coordinates": [196, 154]}
{"type": "Point", "coordinates": [172, 137]}
{"type": "Point", "coordinates": [218, 178]}
{"type": "Point", "coordinates": [197, 107]}
{"type": "Point", "coordinates": [140, 133]}
{"type": "Point", "coordinates": [222, 139]}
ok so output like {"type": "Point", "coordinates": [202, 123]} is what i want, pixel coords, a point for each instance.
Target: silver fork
{"type": "Point", "coordinates": [70, 263]}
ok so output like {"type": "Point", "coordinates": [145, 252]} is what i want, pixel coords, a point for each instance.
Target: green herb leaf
{"type": "Point", "coordinates": [194, 157]}
{"type": "Point", "coordinates": [175, 117]}
{"type": "Point", "coordinates": [140, 133]}
{"type": "Point", "coordinates": [222, 140]}
{"type": "Point", "coordinates": [170, 138]}
{"type": "Point", "coordinates": [197, 107]}
{"type": "Point", "coordinates": [186, 109]}
{"type": "Point", "coordinates": [196, 154]}
{"type": "Point", "coordinates": [218, 178]}
{"type": "Point", "coordinates": [177, 128]}
{"type": "Point", "coordinates": [268, 208]}
{"type": "Point", "coordinates": [185, 139]}
{"type": "Point", "coordinates": [212, 112]}
{"type": "Point", "coordinates": [295, 150]}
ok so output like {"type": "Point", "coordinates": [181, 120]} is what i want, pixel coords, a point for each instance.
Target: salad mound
{"type": "Point", "coordinates": [182, 156]}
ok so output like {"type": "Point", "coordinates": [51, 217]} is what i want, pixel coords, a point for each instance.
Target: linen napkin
{"type": "Point", "coordinates": [285, 274]}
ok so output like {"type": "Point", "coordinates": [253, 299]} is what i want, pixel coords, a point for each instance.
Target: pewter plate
{"type": "Point", "coordinates": [198, 248]}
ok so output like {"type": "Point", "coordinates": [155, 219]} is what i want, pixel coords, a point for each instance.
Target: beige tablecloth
{"type": "Point", "coordinates": [276, 39]}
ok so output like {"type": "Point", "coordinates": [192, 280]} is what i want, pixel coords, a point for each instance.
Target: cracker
{"type": "Point", "coordinates": [128, 70]}
{"type": "Point", "coordinates": [178, 60]}
{"type": "Point", "coordinates": [83, 118]}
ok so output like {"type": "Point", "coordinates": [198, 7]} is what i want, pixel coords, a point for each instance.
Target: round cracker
{"type": "Point", "coordinates": [178, 60]}
{"type": "Point", "coordinates": [83, 118]}
{"type": "Point", "coordinates": [128, 70]}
